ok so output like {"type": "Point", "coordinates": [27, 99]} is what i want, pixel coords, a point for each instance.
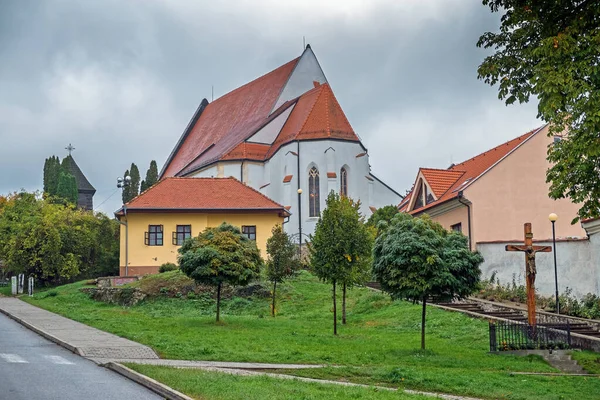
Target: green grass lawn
{"type": "Point", "coordinates": [217, 386]}
{"type": "Point", "coordinates": [378, 346]}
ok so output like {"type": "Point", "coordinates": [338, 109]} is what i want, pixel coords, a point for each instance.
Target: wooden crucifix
{"type": "Point", "coordinates": [530, 251]}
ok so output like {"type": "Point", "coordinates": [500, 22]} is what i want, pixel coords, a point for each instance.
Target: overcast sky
{"type": "Point", "coordinates": [121, 79]}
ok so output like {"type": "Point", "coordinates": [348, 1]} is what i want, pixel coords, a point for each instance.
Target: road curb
{"type": "Point", "coordinates": [42, 333]}
{"type": "Point", "coordinates": [149, 383]}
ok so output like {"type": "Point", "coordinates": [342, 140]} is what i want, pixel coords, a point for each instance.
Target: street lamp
{"type": "Point", "coordinates": [299, 225]}
{"type": "Point", "coordinates": [122, 183]}
{"type": "Point", "coordinates": [553, 218]}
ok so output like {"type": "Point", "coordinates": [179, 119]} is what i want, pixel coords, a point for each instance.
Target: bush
{"type": "Point", "coordinates": [166, 267]}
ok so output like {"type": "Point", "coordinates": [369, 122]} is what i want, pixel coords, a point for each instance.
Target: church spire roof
{"type": "Point", "coordinates": [83, 185]}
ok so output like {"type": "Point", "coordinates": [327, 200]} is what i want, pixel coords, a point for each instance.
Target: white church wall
{"type": "Point", "coordinates": [327, 156]}
{"type": "Point", "coordinates": [301, 80]}
{"type": "Point", "coordinates": [268, 133]}
{"type": "Point", "coordinates": [383, 196]}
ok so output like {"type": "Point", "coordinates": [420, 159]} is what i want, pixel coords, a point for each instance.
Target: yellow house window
{"type": "Point", "coordinates": [249, 231]}
{"type": "Point", "coordinates": [182, 233]}
{"type": "Point", "coordinates": [154, 236]}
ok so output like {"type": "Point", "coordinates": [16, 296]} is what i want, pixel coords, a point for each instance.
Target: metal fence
{"type": "Point", "coordinates": [506, 336]}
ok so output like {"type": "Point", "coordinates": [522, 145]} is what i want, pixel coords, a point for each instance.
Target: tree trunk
{"type": "Point", "coordinates": [344, 304]}
{"type": "Point", "coordinates": [334, 311]}
{"type": "Point", "coordinates": [218, 301]}
{"type": "Point", "coordinates": [273, 306]}
{"type": "Point", "coordinates": [423, 323]}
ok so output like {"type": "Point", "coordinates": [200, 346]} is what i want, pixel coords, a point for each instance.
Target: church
{"type": "Point", "coordinates": [285, 135]}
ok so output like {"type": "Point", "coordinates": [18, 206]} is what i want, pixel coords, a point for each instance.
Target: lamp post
{"type": "Point", "coordinates": [553, 218]}
{"type": "Point", "coordinates": [299, 225]}
{"type": "Point", "coordinates": [122, 183]}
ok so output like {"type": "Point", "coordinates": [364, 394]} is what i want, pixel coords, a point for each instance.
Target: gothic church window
{"type": "Point", "coordinates": [313, 193]}
{"type": "Point", "coordinates": [344, 182]}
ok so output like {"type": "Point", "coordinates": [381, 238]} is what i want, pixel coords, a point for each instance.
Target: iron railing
{"type": "Point", "coordinates": [506, 336]}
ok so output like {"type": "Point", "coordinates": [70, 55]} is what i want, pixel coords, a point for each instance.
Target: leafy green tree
{"type": "Point", "coordinates": [143, 186]}
{"type": "Point", "coordinates": [52, 169]}
{"type": "Point", "coordinates": [341, 246]}
{"type": "Point", "coordinates": [220, 255]}
{"type": "Point", "coordinates": [55, 243]}
{"type": "Point", "coordinates": [134, 186]}
{"type": "Point", "coordinates": [151, 174]}
{"type": "Point", "coordinates": [126, 192]}
{"type": "Point", "coordinates": [549, 50]}
{"type": "Point", "coordinates": [283, 262]}
{"type": "Point", "coordinates": [416, 258]}
{"type": "Point", "coordinates": [67, 188]}
{"type": "Point", "coordinates": [384, 214]}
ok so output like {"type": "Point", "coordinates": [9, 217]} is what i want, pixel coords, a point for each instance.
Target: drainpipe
{"type": "Point", "coordinates": [126, 240]}
{"type": "Point", "coordinates": [460, 200]}
{"type": "Point", "coordinates": [299, 205]}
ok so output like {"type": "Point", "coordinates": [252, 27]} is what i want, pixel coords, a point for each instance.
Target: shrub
{"type": "Point", "coordinates": [166, 267]}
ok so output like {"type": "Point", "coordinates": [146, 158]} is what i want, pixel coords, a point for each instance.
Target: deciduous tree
{"type": "Point", "coordinates": [283, 262]}
{"type": "Point", "coordinates": [416, 258]}
{"type": "Point", "coordinates": [220, 255]}
{"type": "Point", "coordinates": [549, 50]}
{"type": "Point", "coordinates": [341, 246]}
{"type": "Point", "coordinates": [384, 215]}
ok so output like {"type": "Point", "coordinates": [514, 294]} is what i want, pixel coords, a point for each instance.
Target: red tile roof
{"type": "Point", "coordinates": [317, 115]}
{"type": "Point", "coordinates": [331, 175]}
{"type": "Point", "coordinates": [223, 126]}
{"type": "Point", "coordinates": [202, 194]}
{"type": "Point", "coordinates": [230, 119]}
{"type": "Point", "coordinates": [440, 180]}
{"type": "Point", "coordinates": [447, 183]}
{"type": "Point", "coordinates": [287, 178]}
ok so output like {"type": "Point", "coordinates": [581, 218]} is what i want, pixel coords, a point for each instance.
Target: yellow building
{"type": "Point", "coordinates": [155, 224]}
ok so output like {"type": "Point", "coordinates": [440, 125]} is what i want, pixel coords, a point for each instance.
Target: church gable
{"type": "Point", "coordinates": [302, 79]}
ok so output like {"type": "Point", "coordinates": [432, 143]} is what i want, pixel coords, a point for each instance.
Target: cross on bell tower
{"type": "Point", "coordinates": [69, 148]}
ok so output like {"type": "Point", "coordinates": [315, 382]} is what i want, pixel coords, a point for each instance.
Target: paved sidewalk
{"type": "Point", "coordinates": [79, 338]}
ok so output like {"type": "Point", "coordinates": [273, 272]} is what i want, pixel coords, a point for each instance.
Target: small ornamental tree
{"type": "Point", "coordinates": [381, 217]}
{"type": "Point", "coordinates": [416, 258]}
{"type": "Point", "coordinates": [283, 262]}
{"type": "Point", "coordinates": [220, 255]}
{"type": "Point", "coordinates": [340, 247]}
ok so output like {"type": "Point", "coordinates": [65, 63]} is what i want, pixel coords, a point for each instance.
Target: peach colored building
{"type": "Point", "coordinates": [490, 196]}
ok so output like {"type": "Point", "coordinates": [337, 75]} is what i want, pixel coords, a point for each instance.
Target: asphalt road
{"type": "Point", "coordinates": [33, 368]}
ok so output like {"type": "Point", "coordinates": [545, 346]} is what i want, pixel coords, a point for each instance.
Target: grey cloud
{"type": "Point", "coordinates": [120, 79]}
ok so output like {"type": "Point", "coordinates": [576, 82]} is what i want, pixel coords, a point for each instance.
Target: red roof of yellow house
{"type": "Point", "coordinates": [222, 130]}
{"type": "Point", "coordinates": [202, 194]}
{"type": "Point", "coordinates": [446, 184]}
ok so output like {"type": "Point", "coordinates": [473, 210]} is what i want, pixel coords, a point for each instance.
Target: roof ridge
{"type": "Point", "coordinates": [523, 136]}
{"type": "Point", "coordinates": [337, 103]}
{"type": "Point", "coordinates": [441, 169]}
{"type": "Point", "coordinates": [295, 60]}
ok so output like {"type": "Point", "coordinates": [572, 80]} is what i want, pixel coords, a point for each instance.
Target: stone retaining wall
{"type": "Point", "coordinates": [121, 296]}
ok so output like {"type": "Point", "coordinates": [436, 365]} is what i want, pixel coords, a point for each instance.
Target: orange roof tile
{"type": "Point", "coordinates": [229, 120]}
{"type": "Point", "coordinates": [456, 178]}
{"type": "Point", "coordinates": [331, 175]}
{"type": "Point", "coordinates": [287, 178]}
{"type": "Point", "coordinates": [202, 194]}
{"type": "Point", "coordinates": [440, 180]}
{"type": "Point", "coordinates": [219, 130]}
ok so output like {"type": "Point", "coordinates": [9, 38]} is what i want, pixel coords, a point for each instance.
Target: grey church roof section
{"type": "Point", "coordinates": [83, 185]}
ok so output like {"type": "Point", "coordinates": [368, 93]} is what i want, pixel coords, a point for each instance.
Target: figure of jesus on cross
{"type": "Point", "coordinates": [530, 270]}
